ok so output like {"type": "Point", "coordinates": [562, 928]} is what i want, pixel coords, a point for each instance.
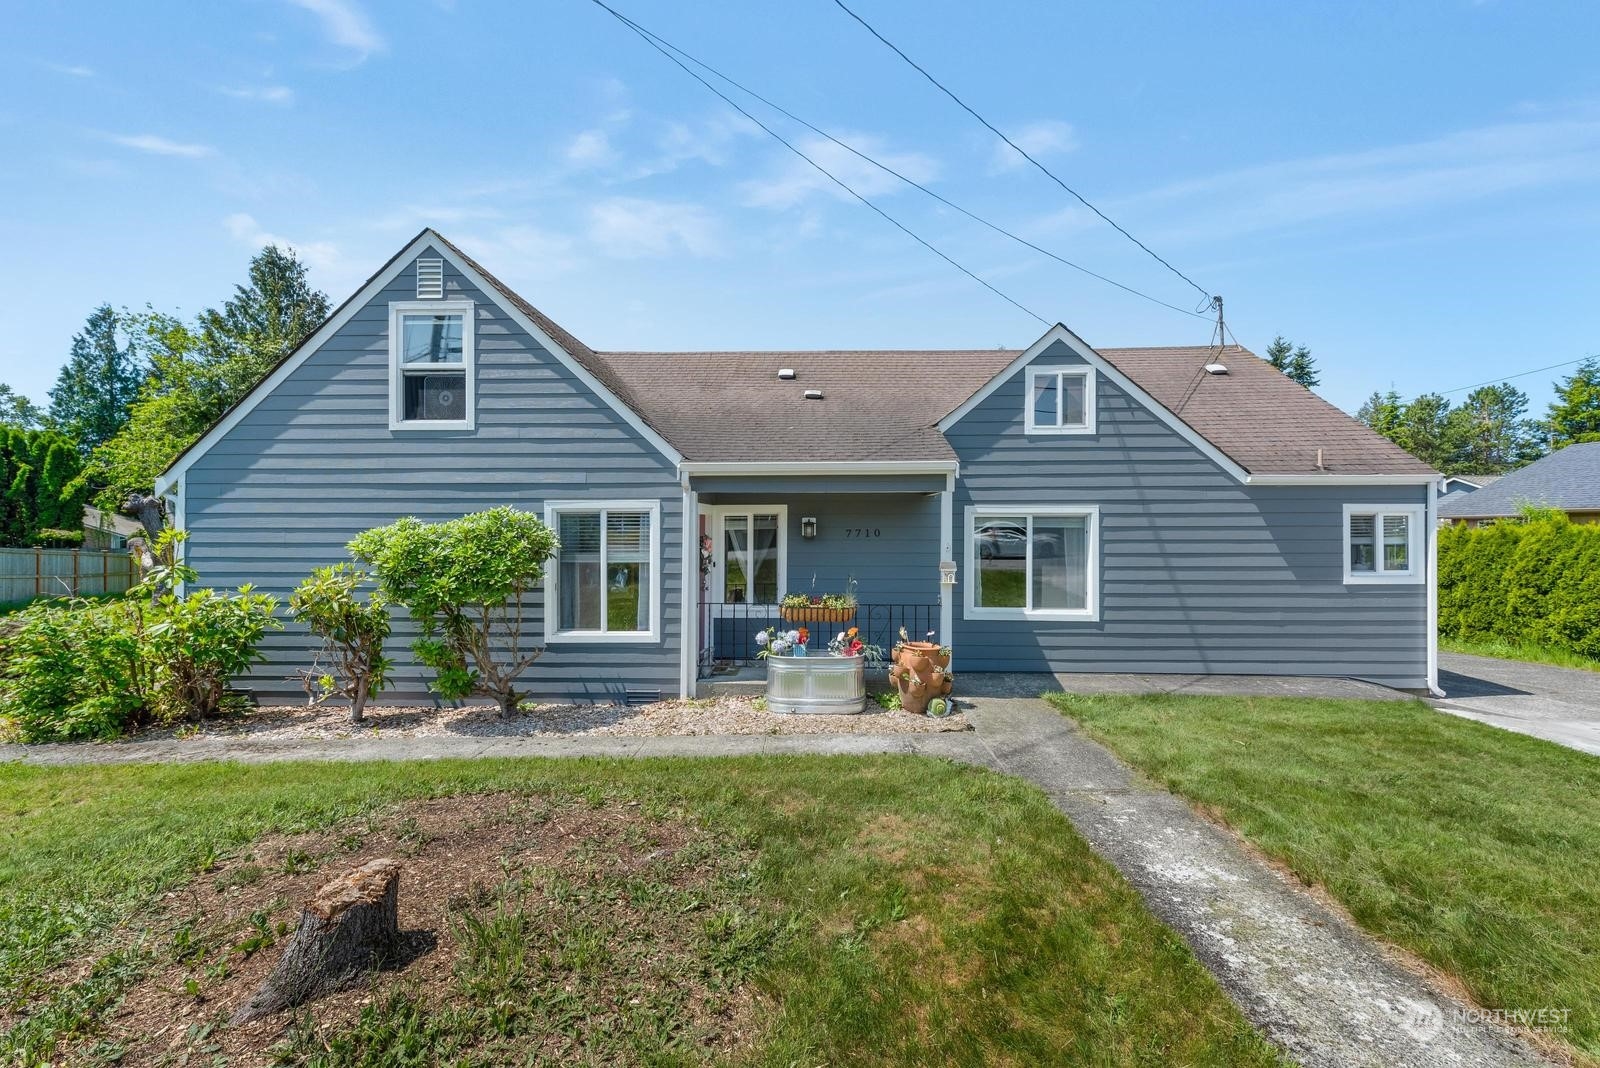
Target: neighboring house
{"type": "Point", "coordinates": [1453, 484]}
{"type": "Point", "coordinates": [1568, 479]}
{"type": "Point", "coordinates": [1059, 508]}
{"type": "Point", "coordinates": [107, 530]}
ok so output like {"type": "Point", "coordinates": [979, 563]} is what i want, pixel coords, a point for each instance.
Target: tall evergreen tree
{"type": "Point", "coordinates": [1381, 412]}
{"type": "Point", "coordinates": [1490, 434]}
{"type": "Point", "coordinates": [1295, 362]}
{"type": "Point", "coordinates": [263, 322]}
{"type": "Point", "coordinates": [17, 410]}
{"type": "Point", "coordinates": [41, 484]}
{"type": "Point", "coordinates": [1425, 431]}
{"type": "Point", "coordinates": [100, 380]}
{"type": "Point", "coordinates": [1574, 415]}
{"type": "Point", "coordinates": [201, 370]}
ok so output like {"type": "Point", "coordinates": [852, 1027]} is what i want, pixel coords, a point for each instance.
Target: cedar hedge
{"type": "Point", "coordinates": [1533, 580]}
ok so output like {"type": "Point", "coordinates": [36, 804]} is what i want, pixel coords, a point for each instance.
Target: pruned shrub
{"type": "Point", "coordinates": [350, 662]}
{"type": "Point", "coordinates": [1534, 580]}
{"type": "Point", "coordinates": [465, 582]}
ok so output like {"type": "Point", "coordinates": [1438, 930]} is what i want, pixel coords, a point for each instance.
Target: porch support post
{"type": "Point", "coordinates": [947, 590]}
{"type": "Point", "coordinates": [689, 595]}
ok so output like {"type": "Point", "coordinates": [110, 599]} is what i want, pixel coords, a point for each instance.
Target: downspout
{"type": "Point", "coordinates": [689, 594]}
{"type": "Point", "coordinates": [947, 574]}
{"type": "Point", "coordinates": [1431, 520]}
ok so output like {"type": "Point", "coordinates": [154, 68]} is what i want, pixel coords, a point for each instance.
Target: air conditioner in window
{"type": "Point", "coordinates": [444, 397]}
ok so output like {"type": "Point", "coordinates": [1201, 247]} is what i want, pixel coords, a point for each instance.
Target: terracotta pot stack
{"type": "Point", "coordinates": [920, 671]}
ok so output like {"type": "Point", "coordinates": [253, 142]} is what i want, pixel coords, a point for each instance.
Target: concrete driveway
{"type": "Point", "coordinates": [1560, 705]}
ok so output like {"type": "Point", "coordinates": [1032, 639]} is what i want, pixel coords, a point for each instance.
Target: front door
{"type": "Point", "coordinates": [749, 568]}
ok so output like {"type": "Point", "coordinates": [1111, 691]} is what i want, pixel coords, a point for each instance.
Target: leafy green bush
{"type": "Point", "coordinates": [1534, 580]}
{"type": "Point", "coordinates": [71, 670]}
{"type": "Point", "coordinates": [350, 662]}
{"type": "Point", "coordinates": [74, 670]}
{"type": "Point", "coordinates": [465, 581]}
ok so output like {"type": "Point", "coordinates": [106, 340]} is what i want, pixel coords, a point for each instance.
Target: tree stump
{"type": "Point", "coordinates": [350, 926]}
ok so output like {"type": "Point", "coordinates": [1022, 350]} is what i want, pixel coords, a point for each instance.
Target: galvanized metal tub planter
{"type": "Point", "coordinates": [830, 685]}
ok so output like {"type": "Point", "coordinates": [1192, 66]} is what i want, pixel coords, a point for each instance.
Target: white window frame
{"type": "Point", "coordinates": [716, 527]}
{"type": "Point", "coordinates": [398, 310]}
{"type": "Point", "coordinates": [1415, 518]}
{"type": "Point", "coordinates": [1090, 612]}
{"type": "Point", "coordinates": [1089, 414]}
{"type": "Point", "coordinates": [552, 584]}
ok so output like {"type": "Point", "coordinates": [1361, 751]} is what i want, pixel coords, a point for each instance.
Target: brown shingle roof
{"type": "Point", "coordinates": [726, 406]}
{"type": "Point", "coordinates": [1268, 424]}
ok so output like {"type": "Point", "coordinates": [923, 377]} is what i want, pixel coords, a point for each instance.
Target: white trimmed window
{"type": "Point", "coordinates": [1033, 562]}
{"type": "Point", "coordinates": [605, 582]}
{"type": "Point", "coordinates": [1060, 401]}
{"type": "Point", "coordinates": [1382, 543]}
{"type": "Point", "coordinates": [431, 356]}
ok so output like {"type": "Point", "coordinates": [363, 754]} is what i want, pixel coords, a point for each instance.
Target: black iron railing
{"type": "Point", "coordinates": [733, 627]}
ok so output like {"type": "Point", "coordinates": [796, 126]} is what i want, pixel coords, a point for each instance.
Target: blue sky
{"type": "Point", "coordinates": [1410, 189]}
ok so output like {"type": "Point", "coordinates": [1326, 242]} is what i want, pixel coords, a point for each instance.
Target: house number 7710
{"type": "Point", "coordinates": [863, 532]}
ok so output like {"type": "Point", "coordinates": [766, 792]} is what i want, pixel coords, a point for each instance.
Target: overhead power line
{"type": "Point", "coordinates": [1019, 149]}
{"type": "Point", "coordinates": [835, 179]}
{"type": "Point", "coordinates": [1519, 374]}
{"type": "Point", "coordinates": [657, 39]}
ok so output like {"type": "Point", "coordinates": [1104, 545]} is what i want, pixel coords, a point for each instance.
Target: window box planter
{"type": "Point", "coordinates": [817, 614]}
{"type": "Point", "coordinates": [830, 685]}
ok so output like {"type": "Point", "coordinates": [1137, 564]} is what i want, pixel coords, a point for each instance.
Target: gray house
{"type": "Point", "coordinates": [1059, 508]}
{"type": "Point", "coordinates": [1568, 479]}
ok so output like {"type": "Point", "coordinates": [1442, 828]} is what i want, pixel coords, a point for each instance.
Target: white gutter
{"type": "Point", "coordinates": [1341, 480]}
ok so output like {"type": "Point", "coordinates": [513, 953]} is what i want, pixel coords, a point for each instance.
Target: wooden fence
{"type": "Point", "coordinates": [29, 573]}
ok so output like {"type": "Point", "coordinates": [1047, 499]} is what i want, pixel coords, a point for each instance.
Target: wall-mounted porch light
{"type": "Point", "coordinates": [808, 526]}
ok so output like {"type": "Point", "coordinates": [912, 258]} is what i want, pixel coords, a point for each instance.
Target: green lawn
{"type": "Point", "coordinates": [1503, 650]}
{"type": "Point", "coordinates": [1475, 848]}
{"type": "Point", "coordinates": [887, 910]}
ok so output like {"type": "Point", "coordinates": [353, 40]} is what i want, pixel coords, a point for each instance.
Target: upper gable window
{"type": "Point", "coordinates": [1061, 401]}
{"type": "Point", "coordinates": [431, 362]}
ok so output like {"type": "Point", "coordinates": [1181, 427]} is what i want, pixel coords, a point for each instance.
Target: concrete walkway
{"type": "Point", "coordinates": [1302, 974]}
{"type": "Point", "coordinates": [1560, 705]}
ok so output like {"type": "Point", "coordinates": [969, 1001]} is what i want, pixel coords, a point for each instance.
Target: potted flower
{"type": "Point", "coordinates": [920, 672]}
{"type": "Point", "coordinates": [796, 682]}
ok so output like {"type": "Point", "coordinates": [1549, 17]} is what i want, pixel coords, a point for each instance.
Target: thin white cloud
{"type": "Point", "coordinates": [320, 256]}
{"type": "Point", "coordinates": [71, 70]}
{"type": "Point", "coordinates": [1470, 165]}
{"type": "Point", "coordinates": [261, 94]}
{"type": "Point", "coordinates": [634, 228]}
{"type": "Point", "coordinates": [413, 217]}
{"type": "Point", "coordinates": [162, 146]}
{"type": "Point", "coordinates": [1050, 137]}
{"type": "Point", "coordinates": [346, 25]}
{"type": "Point", "coordinates": [591, 148]}
{"type": "Point", "coordinates": [797, 181]}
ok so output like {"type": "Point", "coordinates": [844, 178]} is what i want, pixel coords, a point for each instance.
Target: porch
{"type": "Point", "coordinates": [879, 537]}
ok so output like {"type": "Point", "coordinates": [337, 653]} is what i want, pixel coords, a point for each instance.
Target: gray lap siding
{"type": "Point", "coordinates": [1198, 573]}
{"type": "Point", "coordinates": [315, 462]}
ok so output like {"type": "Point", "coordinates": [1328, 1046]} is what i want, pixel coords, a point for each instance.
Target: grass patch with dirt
{"type": "Point", "coordinates": [1526, 651]}
{"type": "Point", "coordinates": [1472, 847]}
{"type": "Point", "coordinates": [769, 910]}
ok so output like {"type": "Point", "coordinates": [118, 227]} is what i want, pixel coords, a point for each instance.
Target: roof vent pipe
{"type": "Point", "coordinates": [786, 373]}
{"type": "Point", "coordinates": [813, 394]}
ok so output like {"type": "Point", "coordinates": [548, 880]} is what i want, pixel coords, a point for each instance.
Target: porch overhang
{"type": "Point", "coordinates": [892, 476]}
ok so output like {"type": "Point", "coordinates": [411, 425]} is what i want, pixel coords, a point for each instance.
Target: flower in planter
{"type": "Point", "coordinates": [774, 642]}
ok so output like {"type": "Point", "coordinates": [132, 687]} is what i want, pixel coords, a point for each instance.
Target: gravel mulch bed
{"type": "Point", "coordinates": [714, 715]}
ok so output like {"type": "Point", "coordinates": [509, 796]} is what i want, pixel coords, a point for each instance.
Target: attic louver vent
{"type": "Point", "coordinates": [430, 279]}
{"type": "Point", "coordinates": [813, 394]}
